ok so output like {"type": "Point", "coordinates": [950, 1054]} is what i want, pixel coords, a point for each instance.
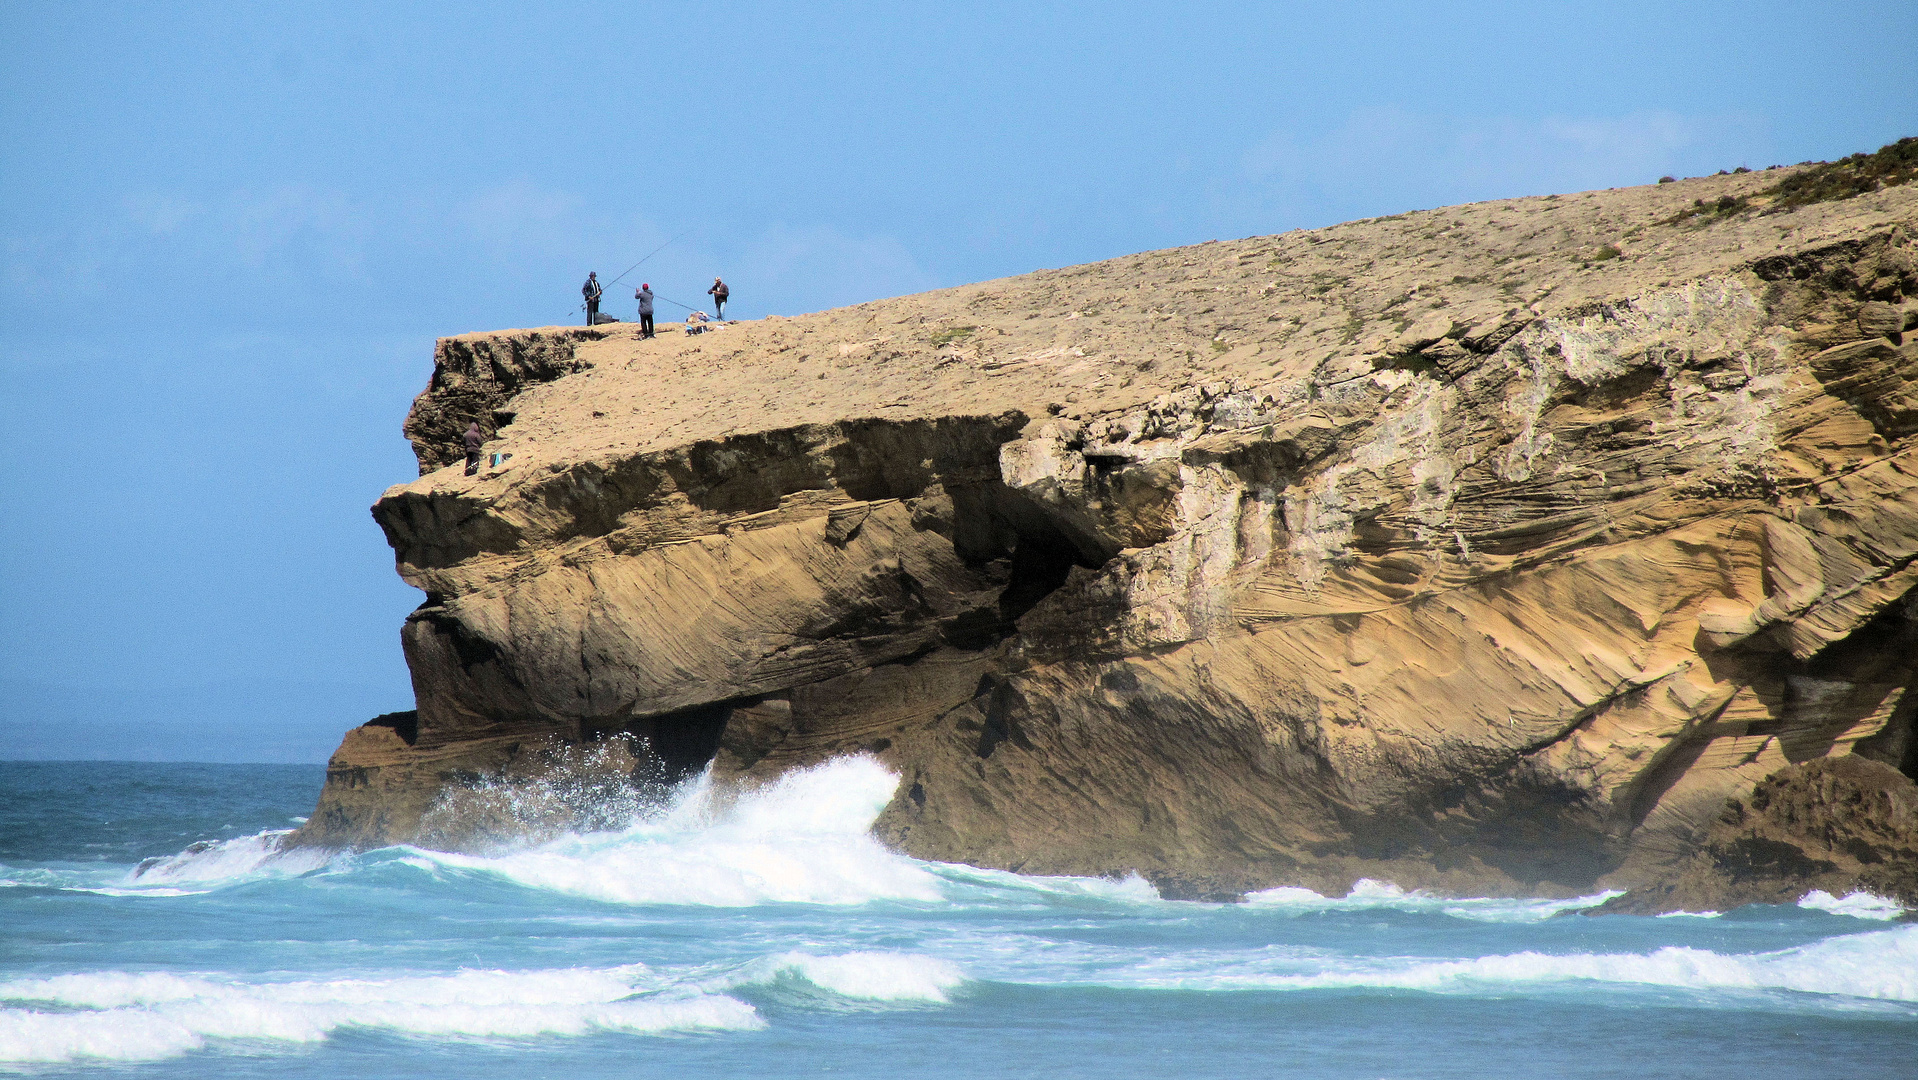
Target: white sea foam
{"type": "Point", "coordinates": [1858, 905]}
{"type": "Point", "coordinates": [144, 1016]}
{"type": "Point", "coordinates": [1881, 965]}
{"type": "Point", "coordinates": [220, 862]}
{"type": "Point", "coordinates": [140, 1016]}
{"type": "Point", "coordinates": [867, 976]}
{"type": "Point", "coordinates": [200, 868]}
{"type": "Point", "coordinates": [1004, 885]}
{"type": "Point", "coordinates": [803, 839]}
{"type": "Point", "coordinates": [1369, 894]}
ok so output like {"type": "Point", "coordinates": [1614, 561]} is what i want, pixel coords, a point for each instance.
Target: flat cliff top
{"type": "Point", "coordinates": [1293, 316]}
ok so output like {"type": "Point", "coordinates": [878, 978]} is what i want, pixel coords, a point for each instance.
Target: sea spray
{"type": "Point", "coordinates": [805, 838]}
{"type": "Point", "coordinates": [594, 787]}
{"type": "Point", "coordinates": [216, 861]}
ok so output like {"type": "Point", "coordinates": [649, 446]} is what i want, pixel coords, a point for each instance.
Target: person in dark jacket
{"type": "Point", "coordinates": [473, 442]}
{"type": "Point", "coordinates": [644, 294]}
{"type": "Point", "coordinates": [719, 293]}
{"type": "Point", "coordinates": [591, 291]}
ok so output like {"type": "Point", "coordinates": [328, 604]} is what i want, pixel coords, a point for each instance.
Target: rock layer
{"type": "Point", "coordinates": [1532, 546]}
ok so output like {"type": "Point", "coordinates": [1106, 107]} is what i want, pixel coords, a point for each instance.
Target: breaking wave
{"type": "Point", "coordinates": [1881, 965]}
{"type": "Point", "coordinates": [143, 1016]}
{"type": "Point", "coordinates": [1369, 894]}
{"type": "Point", "coordinates": [199, 868]}
{"type": "Point", "coordinates": [1858, 905]}
{"type": "Point", "coordinates": [861, 976]}
{"type": "Point", "coordinates": [803, 839]}
{"type": "Point", "coordinates": [137, 1017]}
{"type": "Point", "coordinates": [218, 862]}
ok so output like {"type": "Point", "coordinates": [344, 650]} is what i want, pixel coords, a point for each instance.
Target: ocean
{"type": "Point", "coordinates": [149, 928]}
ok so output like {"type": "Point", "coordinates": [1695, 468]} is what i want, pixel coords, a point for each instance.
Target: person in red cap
{"type": "Point", "coordinates": [644, 294]}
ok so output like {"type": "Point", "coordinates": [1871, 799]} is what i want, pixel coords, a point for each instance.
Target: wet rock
{"type": "Point", "coordinates": [1835, 824]}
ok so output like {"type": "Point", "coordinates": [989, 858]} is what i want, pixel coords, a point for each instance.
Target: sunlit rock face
{"type": "Point", "coordinates": [1501, 548]}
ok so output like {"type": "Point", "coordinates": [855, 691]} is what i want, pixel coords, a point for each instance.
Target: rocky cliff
{"type": "Point", "coordinates": [1529, 547]}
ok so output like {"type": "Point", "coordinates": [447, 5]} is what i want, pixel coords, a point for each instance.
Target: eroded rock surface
{"type": "Point", "coordinates": [1531, 546]}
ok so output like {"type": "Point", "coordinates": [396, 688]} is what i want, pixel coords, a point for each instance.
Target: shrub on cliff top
{"type": "Point", "coordinates": [1825, 181]}
{"type": "Point", "coordinates": [1709, 212]}
{"type": "Point", "coordinates": [1858, 174]}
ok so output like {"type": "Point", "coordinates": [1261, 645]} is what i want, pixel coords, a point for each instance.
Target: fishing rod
{"type": "Point", "coordinates": [604, 284]}
{"type": "Point", "coordinates": [676, 303]}
{"type": "Point", "coordinates": [656, 296]}
{"type": "Point", "coordinates": [650, 254]}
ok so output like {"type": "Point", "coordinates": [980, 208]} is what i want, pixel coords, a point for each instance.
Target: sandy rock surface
{"type": "Point", "coordinates": [1496, 548]}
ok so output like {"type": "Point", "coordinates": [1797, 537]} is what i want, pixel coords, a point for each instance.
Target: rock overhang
{"type": "Point", "coordinates": [1434, 518]}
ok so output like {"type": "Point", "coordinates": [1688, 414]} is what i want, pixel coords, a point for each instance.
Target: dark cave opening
{"type": "Point", "coordinates": [1040, 563]}
{"type": "Point", "coordinates": [404, 724]}
{"type": "Point", "coordinates": [684, 741]}
{"type": "Point", "coordinates": [1033, 546]}
{"type": "Point", "coordinates": [1882, 654]}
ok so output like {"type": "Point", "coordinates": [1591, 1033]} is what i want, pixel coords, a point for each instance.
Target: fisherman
{"type": "Point", "coordinates": [591, 292]}
{"type": "Point", "coordinates": [719, 293]}
{"type": "Point", "coordinates": [644, 294]}
{"type": "Point", "coordinates": [473, 441]}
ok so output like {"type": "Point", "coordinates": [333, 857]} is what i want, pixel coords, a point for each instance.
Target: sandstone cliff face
{"type": "Point", "coordinates": [1530, 546]}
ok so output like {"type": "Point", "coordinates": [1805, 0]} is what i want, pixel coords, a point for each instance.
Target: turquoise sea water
{"type": "Point", "coordinates": [773, 937]}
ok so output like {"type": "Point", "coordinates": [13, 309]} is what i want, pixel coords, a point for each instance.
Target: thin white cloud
{"type": "Point", "coordinates": [1396, 159]}
{"type": "Point", "coordinates": [520, 217]}
{"type": "Point", "coordinates": [160, 213]}
{"type": "Point", "coordinates": [161, 237]}
{"type": "Point", "coordinates": [818, 267]}
{"type": "Point", "coordinates": [322, 224]}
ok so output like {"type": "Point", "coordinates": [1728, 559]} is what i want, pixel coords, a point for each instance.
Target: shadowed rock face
{"type": "Point", "coordinates": [1432, 548]}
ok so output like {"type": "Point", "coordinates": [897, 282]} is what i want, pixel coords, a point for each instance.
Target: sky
{"type": "Point", "coordinates": [229, 234]}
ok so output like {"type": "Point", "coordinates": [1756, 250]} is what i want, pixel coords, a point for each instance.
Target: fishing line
{"type": "Point", "coordinates": [656, 296]}
{"type": "Point", "coordinates": [604, 284]}
{"type": "Point", "coordinates": [650, 254]}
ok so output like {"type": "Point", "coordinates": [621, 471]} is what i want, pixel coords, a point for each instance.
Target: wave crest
{"type": "Point", "coordinates": [804, 838]}
{"type": "Point", "coordinates": [868, 976]}
{"type": "Point", "coordinates": [1880, 965]}
{"type": "Point", "coordinates": [144, 1016]}
{"type": "Point", "coordinates": [212, 862]}
{"type": "Point", "coordinates": [1858, 905]}
{"type": "Point", "coordinates": [1369, 894]}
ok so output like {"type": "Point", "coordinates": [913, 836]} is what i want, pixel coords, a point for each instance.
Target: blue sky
{"type": "Point", "coordinates": [230, 233]}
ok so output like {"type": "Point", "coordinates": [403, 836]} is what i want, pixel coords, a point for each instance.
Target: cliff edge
{"type": "Point", "coordinates": [1532, 546]}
